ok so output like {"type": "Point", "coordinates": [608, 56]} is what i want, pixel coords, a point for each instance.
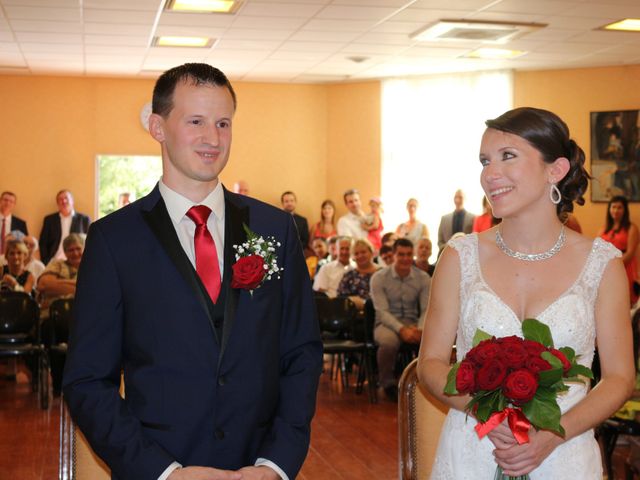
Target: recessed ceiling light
{"type": "Point", "coordinates": [206, 6]}
{"type": "Point", "coordinates": [494, 54]}
{"type": "Point", "coordinates": [626, 25]}
{"type": "Point", "coordinates": [194, 42]}
{"type": "Point", "coordinates": [474, 31]}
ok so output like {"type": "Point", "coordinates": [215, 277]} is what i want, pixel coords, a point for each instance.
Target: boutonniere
{"type": "Point", "coordinates": [256, 261]}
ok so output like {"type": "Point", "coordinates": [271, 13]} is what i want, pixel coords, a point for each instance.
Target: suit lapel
{"type": "Point", "coordinates": [234, 234]}
{"type": "Point", "coordinates": [156, 215]}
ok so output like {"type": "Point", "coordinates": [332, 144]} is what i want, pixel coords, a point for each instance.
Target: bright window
{"type": "Point", "coordinates": [122, 176]}
{"type": "Point", "coordinates": [431, 131]}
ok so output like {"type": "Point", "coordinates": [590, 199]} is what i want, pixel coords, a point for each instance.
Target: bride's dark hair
{"type": "Point", "coordinates": [548, 134]}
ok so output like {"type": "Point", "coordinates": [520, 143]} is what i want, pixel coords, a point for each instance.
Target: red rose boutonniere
{"type": "Point", "coordinates": [256, 261]}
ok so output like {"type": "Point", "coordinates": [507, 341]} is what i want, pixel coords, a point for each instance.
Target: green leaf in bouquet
{"type": "Point", "coordinates": [569, 352]}
{"type": "Point", "coordinates": [537, 331]}
{"type": "Point", "coordinates": [548, 378]}
{"type": "Point", "coordinates": [543, 411]}
{"type": "Point", "coordinates": [479, 336]}
{"type": "Point", "coordinates": [489, 404]}
{"type": "Point", "coordinates": [552, 359]}
{"type": "Point", "coordinates": [577, 369]}
{"type": "Point", "coordinates": [450, 387]}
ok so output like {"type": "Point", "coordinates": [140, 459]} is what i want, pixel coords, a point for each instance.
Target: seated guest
{"type": "Point", "coordinates": [289, 202]}
{"type": "Point", "coordinates": [423, 253]}
{"type": "Point", "coordinates": [241, 187]}
{"type": "Point", "coordinates": [326, 227]}
{"type": "Point", "coordinates": [486, 220]}
{"type": "Point", "coordinates": [15, 277]}
{"type": "Point", "coordinates": [328, 277]}
{"type": "Point", "coordinates": [355, 283]}
{"type": "Point", "coordinates": [350, 224]}
{"type": "Point", "coordinates": [413, 229]}
{"type": "Point", "coordinates": [400, 294]}
{"type": "Point", "coordinates": [320, 256]}
{"type": "Point", "coordinates": [59, 281]}
{"type": "Point", "coordinates": [385, 258]}
{"type": "Point", "coordinates": [34, 265]}
{"type": "Point", "coordinates": [332, 243]}
{"type": "Point", "coordinates": [60, 224]}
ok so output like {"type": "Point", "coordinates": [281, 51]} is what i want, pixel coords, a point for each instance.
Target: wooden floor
{"type": "Point", "coordinates": [351, 439]}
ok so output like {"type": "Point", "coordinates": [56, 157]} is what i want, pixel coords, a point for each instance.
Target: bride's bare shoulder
{"type": "Point", "coordinates": [578, 243]}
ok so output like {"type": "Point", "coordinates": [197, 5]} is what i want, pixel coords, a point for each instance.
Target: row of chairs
{"type": "Point", "coordinates": [22, 336]}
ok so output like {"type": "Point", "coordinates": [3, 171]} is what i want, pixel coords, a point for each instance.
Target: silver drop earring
{"type": "Point", "coordinates": [554, 194]}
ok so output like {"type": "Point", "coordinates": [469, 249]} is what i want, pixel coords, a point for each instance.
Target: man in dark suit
{"type": "Point", "coordinates": [220, 368]}
{"type": "Point", "coordinates": [8, 221]}
{"type": "Point", "coordinates": [57, 226]}
{"type": "Point", "coordinates": [289, 202]}
{"type": "Point", "coordinates": [457, 221]}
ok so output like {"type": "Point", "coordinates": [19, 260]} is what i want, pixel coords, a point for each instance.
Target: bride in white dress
{"type": "Point", "coordinates": [529, 266]}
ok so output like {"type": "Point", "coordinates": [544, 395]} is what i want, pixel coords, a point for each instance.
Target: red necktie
{"type": "Point", "coordinates": [206, 254]}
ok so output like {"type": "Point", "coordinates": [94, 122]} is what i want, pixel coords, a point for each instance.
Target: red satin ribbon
{"type": "Point", "coordinates": [518, 424]}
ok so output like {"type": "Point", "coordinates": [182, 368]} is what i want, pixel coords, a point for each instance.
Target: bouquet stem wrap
{"type": "Point", "coordinates": [518, 424]}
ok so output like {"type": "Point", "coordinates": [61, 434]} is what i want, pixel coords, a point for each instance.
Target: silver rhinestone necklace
{"type": "Point", "coordinates": [531, 257]}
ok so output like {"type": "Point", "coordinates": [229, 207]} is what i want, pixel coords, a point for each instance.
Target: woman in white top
{"type": "Point", "coordinates": [530, 266]}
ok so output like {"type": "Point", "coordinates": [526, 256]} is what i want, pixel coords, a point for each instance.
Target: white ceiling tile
{"type": "Point", "coordinates": [237, 44]}
{"type": "Point", "coordinates": [271, 23]}
{"type": "Point", "coordinates": [570, 47]}
{"type": "Point", "coordinates": [76, 48]}
{"type": "Point", "coordinates": [118, 16]}
{"type": "Point", "coordinates": [57, 57]}
{"type": "Point", "coordinates": [295, 46]}
{"type": "Point", "coordinates": [338, 25]}
{"type": "Point", "coordinates": [255, 34]}
{"type": "Point", "coordinates": [295, 56]}
{"type": "Point", "coordinates": [551, 34]}
{"type": "Point", "coordinates": [41, 3]}
{"type": "Point", "coordinates": [398, 27]}
{"type": "Point", "coordinates": [607, 37]}
{"type": "Point", "coordinates": [48, 37]}
{"type": "Point", "coordinates": [539, 7]}
{"type": "Point", "coordinates": [116, 29]}
{"type": "Point", "coordinates": [11, 48]}
{"type": "Point", "coordinates": [605, 10]}
{"type": "Point", "coordinates": [124, 4]}
{"type": "Point", "coordinates": [507, 17]}
{"type": "Point", "coordinates": [92, 50]}
{"type": "Point", "coordinates": [177, 52]}
{"type": "Point", "coordinates": [319, 36]}
{"type": "Point", "coordinates": [45, 27]}
{"type": "Point", "coordinates": [15, 12]}
{"type": "Point", "coordinates": [457, 4]}
{"type": "Point", "coordinates": [44, 67]}
{"type": "Point", "coordinates": [582, 23]}
{"type": "Point", "coordinates": [385, 38]}
{"type": "Point", "coordinates": [274, 9]}
{"type": "Point", "coordinates": [134, 41]}
{"type": "Point", "coordinates": [423, 15]}
{"type": "Point", "coordinates": [434, 52]}
{"type": "Point", "coordinates": [180, 30]}
{"type": "Point", "coordinates": [374, 48]}
{"type": "Point", "coordinates": [356, 13]}
{"type": "Point", "coordinates": [6, 36]}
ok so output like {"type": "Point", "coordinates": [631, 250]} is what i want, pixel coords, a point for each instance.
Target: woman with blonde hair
{"type": "Point", "coordinates": [15, 276]}
{"type": "Point", "coordinates": [355, 283]}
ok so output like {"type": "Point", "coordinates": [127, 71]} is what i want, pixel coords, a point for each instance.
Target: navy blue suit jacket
{"type": "Point", "coordinates": [51, 233]}
{"type": "Point", "coordinates": [191, 396]}
{"type": "Point", "coordinates": [19, 224]}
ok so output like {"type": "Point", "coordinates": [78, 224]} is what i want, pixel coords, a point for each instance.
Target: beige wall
{"type": "Point", "coordinates": [573, 94]}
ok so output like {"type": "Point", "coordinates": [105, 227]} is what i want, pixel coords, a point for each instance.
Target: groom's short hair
{"type": "Point", "coordinates": [195, 73]}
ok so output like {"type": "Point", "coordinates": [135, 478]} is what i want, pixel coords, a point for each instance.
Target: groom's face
{"type": "Point", "coordinates": [195, 135]}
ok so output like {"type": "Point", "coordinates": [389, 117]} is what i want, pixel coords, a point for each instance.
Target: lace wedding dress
{"type": "Point", "coordinates": [461, 455]}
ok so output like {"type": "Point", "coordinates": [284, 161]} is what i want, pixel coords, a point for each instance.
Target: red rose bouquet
{"type": "Point", "coordinates": [518, 379]}
{"type": "Point", "coordinates": [256, 261]}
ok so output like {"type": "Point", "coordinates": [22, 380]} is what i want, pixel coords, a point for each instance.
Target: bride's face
{"type": "Point", "coordinates": [514, 176]}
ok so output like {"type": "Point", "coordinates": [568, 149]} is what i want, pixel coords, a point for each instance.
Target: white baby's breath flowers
{"type": "Point", "coordinates": [264, 247]}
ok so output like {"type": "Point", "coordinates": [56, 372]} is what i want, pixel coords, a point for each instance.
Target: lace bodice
{"type": "Point", "coordinates": [572, 322]}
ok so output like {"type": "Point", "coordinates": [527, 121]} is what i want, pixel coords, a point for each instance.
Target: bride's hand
{"type": "Point", "coordinates": [501, 436]}
{"type": "Point", "coordinates": [522, 459]}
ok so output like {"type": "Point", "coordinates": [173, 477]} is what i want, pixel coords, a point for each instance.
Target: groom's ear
{"type": "Point", "coordinates": [156, 127]}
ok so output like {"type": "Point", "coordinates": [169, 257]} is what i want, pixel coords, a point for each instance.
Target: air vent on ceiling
{"type": "Point", "coordinates": [474, 31]}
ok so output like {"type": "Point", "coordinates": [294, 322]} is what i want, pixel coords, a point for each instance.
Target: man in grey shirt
{"type": "Point", "coordinates": [400, 293]}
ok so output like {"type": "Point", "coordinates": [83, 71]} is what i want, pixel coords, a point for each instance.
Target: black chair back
{"type": "Point", "coordinates": [19, 314]}
{"type": "Point", "coordinates": [60, 312]}
{"type": "Point", "coordinates": [335, 315]}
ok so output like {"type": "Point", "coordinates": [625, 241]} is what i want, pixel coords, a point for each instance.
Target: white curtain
{"type": "Point", "coordinates": [431, 131]}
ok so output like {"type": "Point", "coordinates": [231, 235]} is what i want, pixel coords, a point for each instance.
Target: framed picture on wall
{"type": "Point", "coordinates": [615, 155]}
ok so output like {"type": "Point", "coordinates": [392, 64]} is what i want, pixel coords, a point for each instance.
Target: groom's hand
{"type": "Point", "coordinates": [259, 473]}
{"type": "Point", "coordinates": [204, 473]}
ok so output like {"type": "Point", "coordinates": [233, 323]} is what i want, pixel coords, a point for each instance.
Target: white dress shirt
{"type": "Point", "coordinates": [65, 228]}
{"type": "Point", "coordinates": [350, 225]}
{"type": "Point", "coordinates": [177, 207]}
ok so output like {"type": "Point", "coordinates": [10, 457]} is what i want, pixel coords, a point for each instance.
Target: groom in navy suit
{"type": "Point", "coordinates": [220, 375]}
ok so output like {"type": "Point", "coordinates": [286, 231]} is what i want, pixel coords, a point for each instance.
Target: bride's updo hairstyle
{"type": "Point", "coordinates": [548, 134]}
